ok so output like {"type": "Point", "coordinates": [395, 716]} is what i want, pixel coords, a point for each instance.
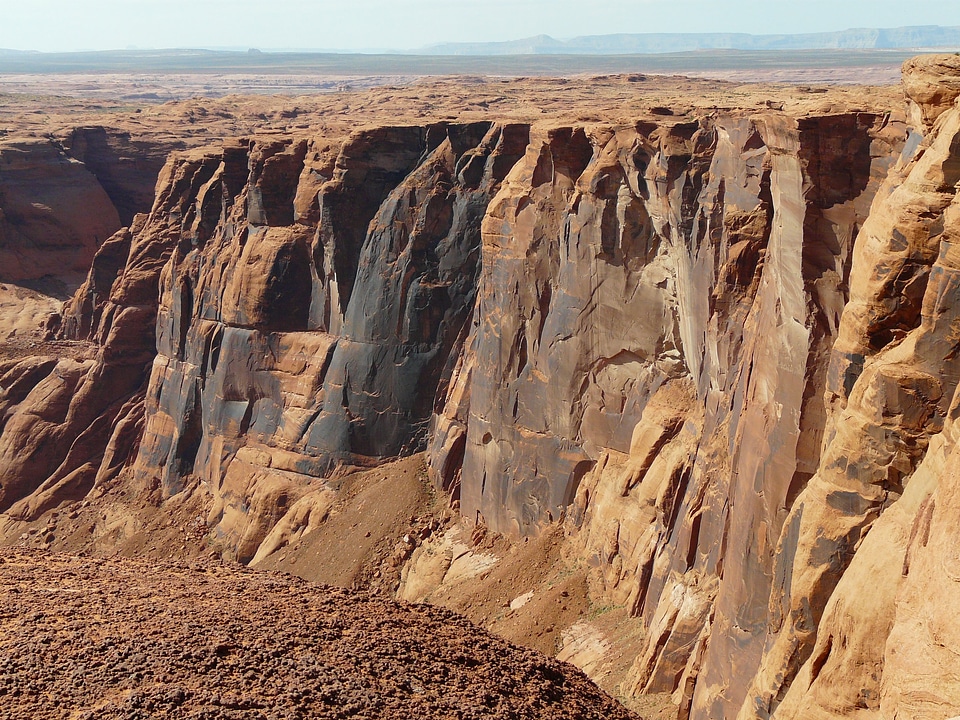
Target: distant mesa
{"type": "Point", "coordinates": [913, 37]}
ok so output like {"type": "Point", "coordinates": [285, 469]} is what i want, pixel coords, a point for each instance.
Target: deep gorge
{"type": "Point", "coordinates": [715, 353]}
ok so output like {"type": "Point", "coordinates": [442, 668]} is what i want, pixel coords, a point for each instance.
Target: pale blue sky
{"type": "Point", "coordinates": [52, 25]}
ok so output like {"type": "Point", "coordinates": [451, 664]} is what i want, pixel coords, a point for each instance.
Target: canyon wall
{"type": "Point", "coordinates": [53, 212]}
{"type": "Point", "coordinates": [718, 349]}
{"type": "Point", "coordinates": [649, 359]}
{"type": "Point", "coordinates": [61, 197]}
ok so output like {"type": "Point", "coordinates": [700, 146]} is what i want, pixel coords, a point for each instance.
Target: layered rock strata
{"type": "Point", "coordinates": [290, 336]}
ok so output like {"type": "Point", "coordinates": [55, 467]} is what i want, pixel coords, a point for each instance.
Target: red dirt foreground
{"type": "Point", "coordinates": [94, 638]}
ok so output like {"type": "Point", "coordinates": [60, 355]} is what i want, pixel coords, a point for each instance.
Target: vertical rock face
{"type": "Point", "coordinates": [563, 248]}
{"type": "Point", "coordinates": [312, 324]}
{"type": "Point", "coordinates": [846, 590]}
{"type": "Point", "coordinates": [657, 308]}
{"type": "Point", "coordinates": [411, 296]}
{"type": "Point", "coordinates": [616, 262]}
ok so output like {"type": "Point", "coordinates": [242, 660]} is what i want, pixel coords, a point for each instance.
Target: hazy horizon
{"type": "Point", "coordinates": [366, 25]}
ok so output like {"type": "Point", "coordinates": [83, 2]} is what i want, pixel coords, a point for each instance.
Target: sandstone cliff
{"type": "Point", "coordinates": [657, 307]}
{"type": "Point", "coordinates": [716, 349]}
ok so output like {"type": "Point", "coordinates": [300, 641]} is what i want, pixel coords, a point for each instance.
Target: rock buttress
{"type": "Point", "coordinates": [69, 424]}
{"type": "Point", "coordinates": [656, 311]}
{"type": "Point", "coordinates": [314, 324]}
{"type": "Point", "coordinates": [845, 636]}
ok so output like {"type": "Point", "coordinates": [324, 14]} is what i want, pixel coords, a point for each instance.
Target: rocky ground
{"type": "Point", "coordinates": [36, 112]}
{"type": "Point", "coordinates": [387, 534]}
{"type": "Point", "coordinates": [117, 638]}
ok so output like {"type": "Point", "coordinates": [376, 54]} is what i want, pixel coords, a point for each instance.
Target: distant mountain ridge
{"type": "Point", "coordinates": [921, 36]}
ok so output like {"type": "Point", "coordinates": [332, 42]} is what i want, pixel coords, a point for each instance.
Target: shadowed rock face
{"type": "Point", "coordinates": [126, 167]}
{"type": "Point", "coordinates": [60, 199]}
{"type": "Point", "coordinates": [53, 212]}
{"type": "Point", "coordinates": [259, 374]}
{"type": "Point", "coordinates": [415, 289]}
{"type": "Point", "coordinates": [722, 351]}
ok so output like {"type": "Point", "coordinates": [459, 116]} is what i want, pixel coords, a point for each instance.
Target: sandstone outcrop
{"type": "Point", "coordinates": [269, 340]}
{"type": "Point", "coordinates": [69, 424]}
{"type": "Point", "coordinates": [933, 83]}
{"type": "Point", "coordinates": [717, 347]}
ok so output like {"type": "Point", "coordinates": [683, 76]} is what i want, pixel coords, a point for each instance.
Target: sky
{"type": "Point", "coordinates": [65, 25]}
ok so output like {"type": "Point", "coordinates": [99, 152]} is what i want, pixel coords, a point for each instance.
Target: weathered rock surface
{"type": "Point", "coordinates": [70, 425]}
{"type": "Point", "coordinates": [763, 485]}
{"type": "Point", "coordinates": [933, 83]}
{"type": "Point", "coordinates": [291, 335]}
{"type": "Point", "coordinates": [706, 261]}
{"type": "Point", "coordinates": [718, 347]}
{"type": "Point", "coordinates": [890, 388]}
